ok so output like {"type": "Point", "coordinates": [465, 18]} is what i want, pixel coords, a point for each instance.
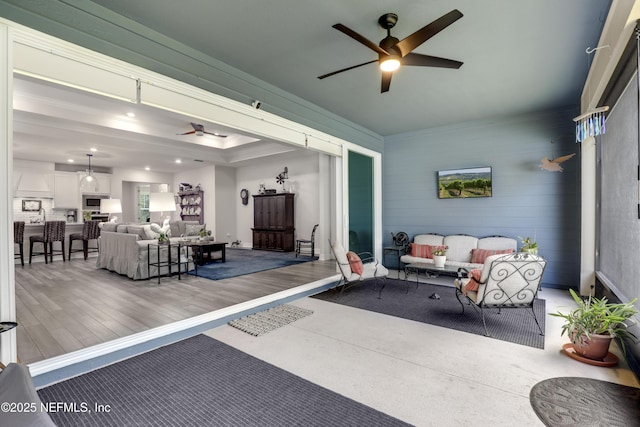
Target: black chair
{"type": "Point", "coordinates": [307, 247]}
{"type": "Point", "coordinates": [18, 239]}
{"type": "Point", "coordinates": [90, 231]}
{"type": "Point", "coordinates": [53, 232]}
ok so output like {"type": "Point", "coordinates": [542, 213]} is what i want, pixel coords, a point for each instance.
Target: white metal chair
{"type": "Point", "coordinates": [506, 281]}
{"type": "Point", "coordinates": [371, 268]}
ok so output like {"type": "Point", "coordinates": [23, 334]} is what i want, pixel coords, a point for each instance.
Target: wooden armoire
{"type": "Point", "coordinates": [273, 222]}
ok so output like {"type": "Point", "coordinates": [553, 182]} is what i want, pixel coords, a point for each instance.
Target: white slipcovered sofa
{"type": "Point", "coordinates": [123, 247]}
{"type": "Point", "coordinates": [463, 251]}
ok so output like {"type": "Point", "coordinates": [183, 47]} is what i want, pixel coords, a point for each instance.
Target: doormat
{"type": "Point", "coordinates": [268, 320]}
{"type": "Point", "coordinates": [574, 401]}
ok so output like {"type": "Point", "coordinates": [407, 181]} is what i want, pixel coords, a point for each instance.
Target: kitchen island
{"type": "Point", "coordinates": [36, 229]}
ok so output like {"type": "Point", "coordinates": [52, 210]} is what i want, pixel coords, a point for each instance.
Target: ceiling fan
{"type": "Point", "coordinates": [199, 130]}
{"type": "Point", "coordinates": [393, 52]}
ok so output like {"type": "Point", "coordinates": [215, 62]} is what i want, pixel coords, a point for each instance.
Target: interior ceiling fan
{"type": "Point", "coordinates": [393, 52]}
{"type": "Point", "coordinates": [199, 130]}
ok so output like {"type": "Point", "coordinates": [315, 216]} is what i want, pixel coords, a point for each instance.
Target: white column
{"type": "Point", "coordinates": [8, 348]}
{"type": "Point", "coordinates": [588, 216]}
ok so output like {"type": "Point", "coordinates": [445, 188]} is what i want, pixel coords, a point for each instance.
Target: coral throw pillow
{"type": "Point", "coordinates": [422, 251]}
{"type": "Point", "coordinates": [479, 255]}
{"type": "Point", "coordinates": [474, 279]}
{"type": "Point", "coordinates": [355, 263]}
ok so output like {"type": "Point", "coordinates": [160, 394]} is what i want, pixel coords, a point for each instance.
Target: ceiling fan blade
{"type": "Point", "coordinates": [197, 127]}
{"type": "Point", "coordinates": [345, 69]}
{"type": "Point", "coordinates": [219, 135]}
{"type": "Point", "coordinates": [187, 133]}
{"type": "Point", "coordinates": [386, 81]}
{"type": "Point", "coordinates": [368, 43]}
{"type": "Point", "coordinates": [425, 33]}
{"type": "Point", "coordinates": [430, 61]}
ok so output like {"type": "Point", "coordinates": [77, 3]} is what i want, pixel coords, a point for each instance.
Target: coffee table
{"type": "Point", "coordinates": [201, 247]}
{"type": "Point", "coordinates": [429, 270]}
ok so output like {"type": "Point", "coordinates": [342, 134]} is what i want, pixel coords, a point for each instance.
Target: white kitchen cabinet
{"type": "Point", "coordinates": [66, 190]}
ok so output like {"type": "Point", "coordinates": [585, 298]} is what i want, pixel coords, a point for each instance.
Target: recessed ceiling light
{"type": "Point", "coordinates": [131, 114]}
{"type": "Point", "coordinates": [178, 161]}
{"type": "Point", "coordinates": [93, 150]}
{"type": "Point", "coordinates": [70, 160]}
{"type": "Point", "coordinates": [147, 168]}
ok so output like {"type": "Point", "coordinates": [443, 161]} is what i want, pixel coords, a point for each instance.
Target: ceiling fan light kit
{"type": "Point", "coordinates": [393, 53]}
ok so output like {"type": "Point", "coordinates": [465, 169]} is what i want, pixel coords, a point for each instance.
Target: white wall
{"type": "Point", "coordinates": [206, 178]}
{"type": "Point", "coordinates": [303, 180]}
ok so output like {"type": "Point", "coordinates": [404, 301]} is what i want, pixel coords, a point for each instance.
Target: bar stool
{"type": "Point", "coordinates": [18, 239]}
{"type": "Point", "coordinates": [90, 231]}
{"type": "Point", "coordinates": [53, 232]}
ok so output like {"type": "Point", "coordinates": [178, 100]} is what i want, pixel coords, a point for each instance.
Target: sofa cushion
{"type": "Point", "coordinates": [137, 229]}
{"type": "Point", "coordinates": [121, 228]}
{"type": "Point", "coordinates": [497, 242]}
{"type": "Point", "coordinates": [460, 246]}
{"type": "Point", "coordinates": [429, 239]}
{"type": "Point", "coordinates": [355, 263]}
{"type": "Point", "coordinates": [479, 255]}
{"type": "Point", "coordinates": [109, 226]}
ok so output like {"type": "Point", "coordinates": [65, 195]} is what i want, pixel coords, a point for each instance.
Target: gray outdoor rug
{"type": "Point", "coordinates": [268, 320]}
{"type": "Point", "coordinates": [513, 325]}
{"type": "Point", "coordinates": [568, 401]}
{"type": "Point", "coordinates": [203, 382]}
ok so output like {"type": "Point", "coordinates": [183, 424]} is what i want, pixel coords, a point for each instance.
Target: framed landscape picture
{"type": "Point", "coordinates": [464, 183]}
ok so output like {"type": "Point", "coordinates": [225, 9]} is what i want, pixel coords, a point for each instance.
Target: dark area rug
{"type": "Point", "coordinates": [246, 261]}
{"type": "Point", "coordinates": [513, 325]}
{"type": "Point", "coordinates": [568, 401]}
{"type": "Point", "coordinates": [204, 382]}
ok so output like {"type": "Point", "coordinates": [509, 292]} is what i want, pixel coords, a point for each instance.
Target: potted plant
{"type": "Point", "coordinates": [440, 255]}
{"type": "Point", "coordinates": [529, 245]}
{"type": "Point", "coordinates": [205, 234]}
{"type": "Point", "coordinates": [163, 238]}
{"type": "Point", "coordinates": [595, 322]}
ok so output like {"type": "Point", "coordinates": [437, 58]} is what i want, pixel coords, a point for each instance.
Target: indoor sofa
{"type": "Point", "coordinates": [463, 251]}
{"type": "Point", "coordinates": [124, 248]}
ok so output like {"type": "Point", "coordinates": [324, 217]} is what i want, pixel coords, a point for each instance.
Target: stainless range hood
{"type": "Point", "coordinates": [33, 184]}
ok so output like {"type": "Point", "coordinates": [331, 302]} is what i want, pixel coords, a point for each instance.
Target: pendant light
{"type": "Point", "coordinates": [89, 183]}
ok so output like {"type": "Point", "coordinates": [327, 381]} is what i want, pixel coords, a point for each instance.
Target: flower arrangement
{"type": "Point", "coordinates": [204, 232]}
{"type": "Point", "coordinates": [163, 238]}
{"type": "Point", "coordinates": [440, 250]}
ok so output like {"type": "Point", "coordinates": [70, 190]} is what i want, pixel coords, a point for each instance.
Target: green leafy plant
{"type": "Point", "coordinates": [162, 237]}
{"type": "Point", "coordinates": [204, 232]}
{"type": "Point", "coordinates": [597, 316]}
{"type": "Point", "coordinates": [528, 244]}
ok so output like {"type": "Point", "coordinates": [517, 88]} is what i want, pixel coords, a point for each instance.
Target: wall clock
{"type": "Point", "coordinates": [244, 195]}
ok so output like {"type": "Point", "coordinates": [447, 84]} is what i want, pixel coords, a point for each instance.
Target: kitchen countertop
{"type": "Point", "coordinates": [40, 224]}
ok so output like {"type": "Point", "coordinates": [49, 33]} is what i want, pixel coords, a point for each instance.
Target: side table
{"type": "Point", "coordinates": [399, 250]}
{"type": "Point", "coordinates": [162, 248]}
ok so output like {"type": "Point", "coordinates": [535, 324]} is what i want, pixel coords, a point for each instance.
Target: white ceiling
{"type": "Point", "coordinates": [519, 57]}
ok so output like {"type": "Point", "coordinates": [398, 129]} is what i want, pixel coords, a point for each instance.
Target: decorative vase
{"type": "Point", "coordinates": [439, 260]}
{"type": "Point", "coordinates": [595, 348]}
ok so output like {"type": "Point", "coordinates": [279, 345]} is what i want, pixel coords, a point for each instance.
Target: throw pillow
{"type": "Point", "coordinates": [422, 251]}
{"type": "Point", "coordinates": [479, 255]}
{"type": "Point", "coordinates": [137, 229]}
{"type": "Point", "coordinates": [149, 233]}
{"type": "Point", "coordinates": [107, 226]}
{"type": "Point", "coordinates": [474, 281]}
{"type": "Point", "coordinates": [355, 263]}
{"type": "Point", "coordinates": [193, 229]}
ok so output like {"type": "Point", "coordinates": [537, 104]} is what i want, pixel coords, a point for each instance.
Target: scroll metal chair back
{"type": "Point", "coordinates": [506, 281]}
{"type": "Point", "coordinates": [18, 239]}
{"type": "Point", "coordinates": [307, 246]}
{"type": "Point", "coordinates": [90, 231]}
{"type": "Point", "coordinates": [53, 232]}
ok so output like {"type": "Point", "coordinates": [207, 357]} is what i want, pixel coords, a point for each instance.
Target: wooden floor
{"type": "Point", "coordinates": [67, 306]}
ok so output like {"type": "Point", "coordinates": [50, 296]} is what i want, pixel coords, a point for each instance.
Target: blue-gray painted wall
{"type": "Point", "coordinates": [526, 200]}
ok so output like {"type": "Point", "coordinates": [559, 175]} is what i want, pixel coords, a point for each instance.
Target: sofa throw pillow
{"type": "Point", "coordinates": [193, 229]}
{"type": "Point", "coordinates": [355, 263]}
{"type": "Point", "coordinates": [422, 251]}
{"type": "Point", "coordinates": [108, 226]}
{"type": "Point", "coordinates": [478, 256]}
{"type": "Point", "coordinates": [137, 229]}
{"type": "Point", "coordinates": [149, 233]}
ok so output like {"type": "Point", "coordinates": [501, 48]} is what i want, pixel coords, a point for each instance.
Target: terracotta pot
{"type": "Point", "coordinates": [595, 348]}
